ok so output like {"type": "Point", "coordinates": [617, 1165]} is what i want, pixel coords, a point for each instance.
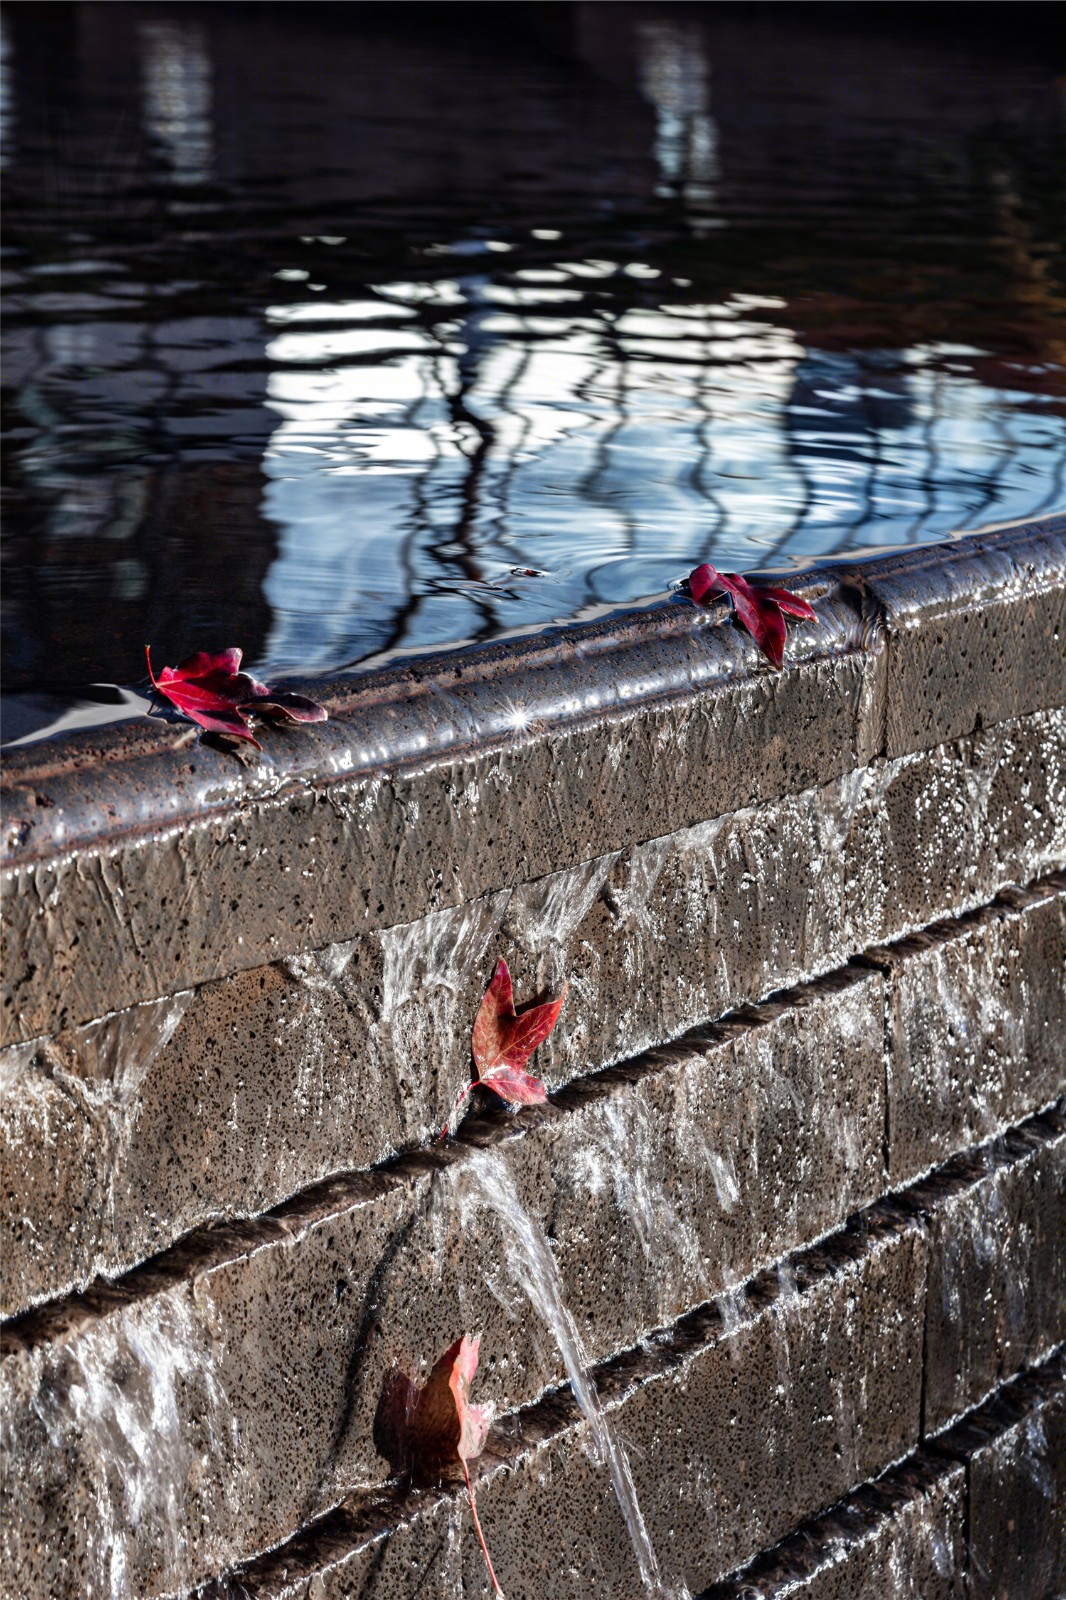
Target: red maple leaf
{"type": "Point", "coordinates": [503, 1042]}
{"type": "Point", "coordinates": [426, 1432]}
{"type": "Point", "coordinates": [213, 691]}
{"type": "Point", "coordinates": [759, 608]}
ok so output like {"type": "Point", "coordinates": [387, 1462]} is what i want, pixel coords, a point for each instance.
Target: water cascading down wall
{"type": "Point", "coordinates": [801, 1173]}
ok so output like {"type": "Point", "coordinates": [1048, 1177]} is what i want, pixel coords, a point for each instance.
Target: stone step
{"type": "Point", "coordinates": [139, 863]}
{"type": "Point", "coordinates": [981, 1515]}
{"type": "Point", "coordinates": [259, 1354]}
{"type": "Point", "coordinates": [121, 1136]}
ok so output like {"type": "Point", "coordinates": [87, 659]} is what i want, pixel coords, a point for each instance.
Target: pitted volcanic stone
{"type": "Point", "coordinates": [996, 1299]}
{"type": "Point", "coordinates": [725, 1457]}
{"type": "Point", "coordinates": [638, 1174]}
{"type": "Point", "coordinates": [139, 863]}
{"type": "Point", "coordinates": [976, 1026]}
{"type": "Point", "coordinates": [1014, 1449]}
{"type": "Point", "coordinates": [942, 832]}
{"type": "Point", "coordinates": [422, 792]}
{"type": "Point", "coordinates": [975, 635]}
{"type": "Point", "coordinates": [281, 1076]}
{"type": "Point", "coordinates": [906, 1530]}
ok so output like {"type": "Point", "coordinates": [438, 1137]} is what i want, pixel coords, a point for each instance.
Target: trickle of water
{"type": "Point", "coordinates": [115, 1411]}
{"type": "Point", "coordinates": [485, 1182]}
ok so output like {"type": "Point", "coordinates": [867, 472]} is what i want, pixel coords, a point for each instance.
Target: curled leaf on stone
{"type": "Point", "coordinates": [425, 1433]}
{"type": "Point", "coordinates": [212, 690]}
{"type": "Point", "coordinates": [760, 609]}
{"type": "Point", "coordinates": [503, 1041]}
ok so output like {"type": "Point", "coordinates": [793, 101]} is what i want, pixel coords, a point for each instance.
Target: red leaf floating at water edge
{"type": "Point", "coordinates": [761, 610]}
{"type": "Point", "coordinates": [503, 1042]}
{"type": "Point", "coordinates": [213, 691]}
{"type": "Point", "coordinates": [427, 1432]}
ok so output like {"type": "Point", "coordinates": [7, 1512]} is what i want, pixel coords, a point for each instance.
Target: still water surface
{"type": "Point", "coordinates": [335, 332]}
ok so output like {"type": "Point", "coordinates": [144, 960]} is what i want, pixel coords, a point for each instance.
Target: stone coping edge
{"type": "Point", "coordinates": [434, 705]}
{"type": "Point", "coordinates": [143, 861]}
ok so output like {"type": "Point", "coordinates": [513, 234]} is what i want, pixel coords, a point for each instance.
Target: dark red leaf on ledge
{"type": "Point", "coordinates": [760, 609]}
{"type": "Point", "coordinates": [213, 691]}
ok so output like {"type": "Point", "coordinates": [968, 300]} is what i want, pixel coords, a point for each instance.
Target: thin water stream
{"type": "Point", "coordinates": [486, 1183]}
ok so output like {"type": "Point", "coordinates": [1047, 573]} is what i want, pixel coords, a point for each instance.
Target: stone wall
{"type": "Point", "coordinates": [803, 1168]}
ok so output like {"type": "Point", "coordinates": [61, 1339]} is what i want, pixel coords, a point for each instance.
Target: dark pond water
{"type": "Point", "coordinates": [320, 322]}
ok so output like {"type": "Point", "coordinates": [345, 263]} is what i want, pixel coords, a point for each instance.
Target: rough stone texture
{"type": "Point", "coordinates": [426, 789]}
{"type": "Point", "coordinates": [725, 1454]}
{"type": "Point", "coordinates": [1015, 1453]}
{"type": "Point", "coordinates": [976, 1026]}
{"type": "Point", "coordinates": [274, 1340]}
{"type": "Point", "coordinates": [942, 832]}
{"type": "Point", "coordinates": [283, 1075]}
{"type": "Point", "coordinates": [295, 948]}
{"type": "Point", "coordinates": [996, 1296]}
{"type": "Point", "coordinates": [294, 1320]}
{"type": "Point", "coordinates": [901, 1538]}
{"type": "Point", "coordinates": [975, 635]}
{"type": "Point", "coordinates": [143, 862]}
{"type": "Point", "coordinates": [980, 1514]}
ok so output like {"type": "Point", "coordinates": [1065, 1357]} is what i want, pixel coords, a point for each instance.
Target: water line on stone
{"type": "Point", "coordinates": [484, 1182]}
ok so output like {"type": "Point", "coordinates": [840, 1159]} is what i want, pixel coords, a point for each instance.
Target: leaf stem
{"type": "Point", "coordinates": [451, 1114]}
{"type": "Point", "coordinates": [480, 1535]}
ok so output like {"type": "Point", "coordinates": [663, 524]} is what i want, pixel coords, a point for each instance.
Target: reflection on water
{"type": "Point", "coordinates": [177, 98]}
{"type": "Point", "coordinates": [319, 324]}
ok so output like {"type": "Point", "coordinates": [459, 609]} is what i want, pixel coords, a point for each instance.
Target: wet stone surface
{"type": "Point", "coordinates": [432, 787]}
{"type": "Point", "coordinates": [637, 1176]}
{"type": "Point", "coordinates": [712, 1493]}
{"type": "Point", "coordinates": [903, 1536]}
{"type": "Point", "coordinates": [996, 1298]}
{"type": "Point", "coordinates": [208, 1403]}
{"type": "Point", "coordinates": [812, 1372]}
{"type": "Point", "coordinates": [1014, 1448]}
{"type": "Point", "coordinates": [450, 785]}
{"type": "Point", "coordinates": [278, 1077]}
{"type": "Point", "coordinates": [972, 641]}
{"type": "Point", "coordinates": [976, 1026]}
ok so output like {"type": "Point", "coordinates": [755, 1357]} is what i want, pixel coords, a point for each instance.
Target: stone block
{"type": "Point", "coordinates": [976, 1026]}
{"type": "Point", "coordinates": [1014, 1449]}
{"type": "Point", "coordinates": [903, 1535]}
{"type": "Point", "coordinates": [975, 635]}
{"type": "Point", "coordinates": [733, 1432]}
{"type": "Point", "coordinates": [942, 832]}
{"type": "Point", "coordinates": [996, 1295]}
{"type": "Point", "coordinates": [662, 1185]}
